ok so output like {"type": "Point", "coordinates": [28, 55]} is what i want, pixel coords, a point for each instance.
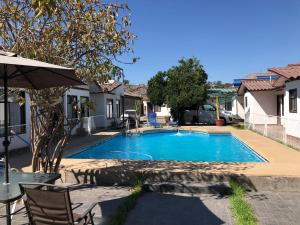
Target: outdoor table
{"type": "Point", "coordinates": [11, 192]}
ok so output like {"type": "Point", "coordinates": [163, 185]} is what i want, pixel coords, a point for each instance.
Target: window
{"type": "Point", "coordinates": [109, 108]}
{"type": "Point", "coordinates": [246, 101]}
{"type": "Point", "coordinates": [228, 105]}
{"type": "Point", "coordinates": [16, 114]}
{"type": "Point", "coordinates": [118, 108]}
{"type": "Point", "coordinates": [293, 100]}
{"type": "Point", "coordinates": [85, 112]}
{"type": "Point", "coordinates": [72, 112]}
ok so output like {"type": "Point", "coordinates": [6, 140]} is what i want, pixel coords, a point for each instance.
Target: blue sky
{"type": "Point", "coordinates": [231, 38]}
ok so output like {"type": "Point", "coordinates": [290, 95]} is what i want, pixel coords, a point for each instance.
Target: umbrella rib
{"type": "Point", "coordinates": [26, 77]}
{"type": "Point", "coordinates": [14, 75]}
{"type": "Point", "coordinates": [70, 78]}
{"type": "Point", "coordinates": [2, 77]}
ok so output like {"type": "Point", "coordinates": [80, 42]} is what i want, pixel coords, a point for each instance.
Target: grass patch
{"type": "Point", "coordinates": [127, 205]}
{"type": "Point", "coordinates": [242, 212]}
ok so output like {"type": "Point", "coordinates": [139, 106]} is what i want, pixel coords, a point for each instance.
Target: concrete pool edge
{"type": "Point", "coordinates": [76, 151]}
{"type": "Point", "coordinates": [125, 173]}
{"type": "Point", "coordinates": [283, 161]}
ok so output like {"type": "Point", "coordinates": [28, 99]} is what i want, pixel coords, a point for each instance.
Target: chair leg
{"type": "Point", "coordinates": [92, 218]}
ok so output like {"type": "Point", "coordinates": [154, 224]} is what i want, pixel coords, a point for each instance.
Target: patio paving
{"type": "Point", "coordinates": [276, 208]}
{"type": "Point", "coordinates": [179, 209]}
{"type": "Point", "coordinates": [108, 198]}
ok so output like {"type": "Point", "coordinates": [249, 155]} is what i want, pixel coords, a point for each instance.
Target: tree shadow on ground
{"type": "Point", "coordinates": [121, 172]}
{"type": "Point", "coordinates": [20, 158]}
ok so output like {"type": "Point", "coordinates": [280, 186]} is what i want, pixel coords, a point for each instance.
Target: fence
{"type": "Point", "coordinates": [19, 136]}
{"type": "Point", "coordinates": [96, 122]}
{"type": "Point", "coordinates": [279, 128]}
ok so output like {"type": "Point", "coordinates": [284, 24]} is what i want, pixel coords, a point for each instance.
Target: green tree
{"type": "Point", "coordinates": [87, 35]}
{"type": "Point", "coordinates": [186, 86]}
{"type": "Point", "coordinates": [156, 90]}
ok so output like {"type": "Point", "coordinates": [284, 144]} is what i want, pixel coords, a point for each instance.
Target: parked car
{"type": "Point", "coordinates": [206, 114]}
{"type": "Point", "coordinates": [130, 115]}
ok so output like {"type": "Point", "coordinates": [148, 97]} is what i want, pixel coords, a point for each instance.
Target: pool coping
{"type": "Point", "coordinates": [161, 130]}
{"type": "Point", "coordinates": [281, 160]}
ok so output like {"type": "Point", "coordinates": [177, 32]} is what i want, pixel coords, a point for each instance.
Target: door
{"type": "Point", "coordinates": [280, 108]}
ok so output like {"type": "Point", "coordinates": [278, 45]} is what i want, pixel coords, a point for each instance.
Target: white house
{"type": "Point", "coordinates": [291, 100]}
{"type": "Point", "coordinates": [271, 103]}
{"type": "Point", "coordinates": [76, 107]}
{"type": "Point", "coordinates": [107, 100]}
{"type": "Point", "coordinates": [262, 99]}
{"type": "Point", "coordinates": [19, 120]}
{"type": "Point", "coordinates": [140, 91]}
{"type": "Point", "coordinates": [19, 115]}
{"type": "Point", "coordinates": [237, 109]}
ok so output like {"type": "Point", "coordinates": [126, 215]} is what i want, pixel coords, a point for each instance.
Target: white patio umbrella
{"type": "Point", "coordinates": [21, 72]}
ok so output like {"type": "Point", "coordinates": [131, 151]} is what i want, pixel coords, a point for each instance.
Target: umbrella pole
{"type": "Point", "coordinates": [6, 141]}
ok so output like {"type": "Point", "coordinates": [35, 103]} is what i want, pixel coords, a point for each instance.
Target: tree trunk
{"type": "Point", "coordinates": [50, 130]}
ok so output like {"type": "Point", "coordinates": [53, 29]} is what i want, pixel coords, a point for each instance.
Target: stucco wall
{"type": "Point", "coordinates": [261, 107]}
{"type": "Point", "coordinates": [99, 117]}
{"type": "Point", "coordinates": [164, 111]}
{"type": "Point", "coordinates": [16, 142]}
{"type": "Point", "coordinates": [79, 93]}
{"type": "Point", "coordinates": [238, 107]}
{"type": "Point", "coordinates": [292, 120]}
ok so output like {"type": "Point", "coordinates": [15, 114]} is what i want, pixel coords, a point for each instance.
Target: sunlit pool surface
{"type": "Point", "coordinates": [179, 146]}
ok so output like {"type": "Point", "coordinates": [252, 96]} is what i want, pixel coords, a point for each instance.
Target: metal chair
{"type": "Point", "coordinates": [50, 204]}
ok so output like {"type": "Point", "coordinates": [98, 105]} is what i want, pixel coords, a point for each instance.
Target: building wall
{"type": "Point", "coordinates": [16, 142]}
{"type": "Point", "coordinates": [164, 111]}
{"type": "Point", "coordinates": [132, 103]}
{"type": "Point", "coordinates": [79, 93]}
{"type": "Point", "coordinates": [99, 117]}
{"type": "Point", "coordinates": [292, 120]}
{"type": "Point", "coordinates": [238, 107]}
{"type": "Point", "coordinates": [261, 107]}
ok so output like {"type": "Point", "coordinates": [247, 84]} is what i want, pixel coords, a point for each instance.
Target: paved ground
{"type": "Point", "coordinates": [108, 198]}
{"type": "Point", "coordinates": [276, 208]}
{"type": "Point", "coordinates": [180, 209]}
{"type": "Point", "coordinates": [271, 208]}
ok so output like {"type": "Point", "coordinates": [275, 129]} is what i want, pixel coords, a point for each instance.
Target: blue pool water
{"type": "Point", "coordinates": [181, 146]}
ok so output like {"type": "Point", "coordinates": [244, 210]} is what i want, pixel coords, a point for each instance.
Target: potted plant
{"type": "Point", "coordinates": [219, 122]}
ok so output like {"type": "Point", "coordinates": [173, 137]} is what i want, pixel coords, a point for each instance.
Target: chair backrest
{"type": "Point", "coordinates": [152, 117]}
{"type": "Point", "coordinates": [47, 204]}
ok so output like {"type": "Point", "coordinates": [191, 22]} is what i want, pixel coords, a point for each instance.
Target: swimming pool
{"type": "Point", "coordinates": [179, 146]}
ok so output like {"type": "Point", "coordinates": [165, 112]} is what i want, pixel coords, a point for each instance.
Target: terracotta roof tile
{"type": "Point", "coordinates": [136, 90]}
{"type": "Point", "coordinates": [108, 86]}
{"type": "Point", "coordinates": [290, 71]}
{"type": "Point", "coordinates": [132, 94]}
{"type": "Point", "coordinates": [260, 85]}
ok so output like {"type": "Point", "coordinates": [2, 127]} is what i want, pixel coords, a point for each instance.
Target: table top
{"type": "Point", "coordinates": [11, 192]}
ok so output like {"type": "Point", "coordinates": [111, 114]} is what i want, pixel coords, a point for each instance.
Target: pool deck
{"type": "Point", "coordinates": [282, 160]}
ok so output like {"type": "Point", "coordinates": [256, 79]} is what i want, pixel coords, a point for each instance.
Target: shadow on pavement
{"type": "Point", "coordinates": [165, 209]}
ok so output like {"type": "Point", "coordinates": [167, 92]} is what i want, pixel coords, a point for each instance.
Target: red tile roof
{"type": "Point", "coordinates": [108, 86]}
{"type": "Point", "coordinates": [260, 85]}
{"type": "Point", "coordinates": [290, 71]}
{"type": "Point", "coordinates": [136, 90]}
{"type": "Point", "coordinates": [132, 94]}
